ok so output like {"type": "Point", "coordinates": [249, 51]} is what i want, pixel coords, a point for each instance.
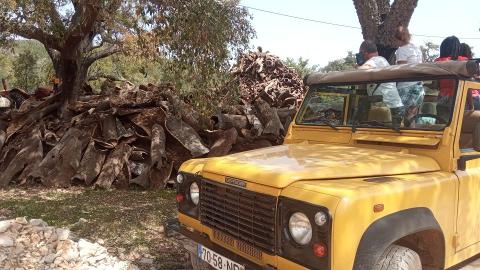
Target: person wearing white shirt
{"type": "Point", "coordinates": [388, 91]}
{"type": "Point", "coordinates": [411, 93]}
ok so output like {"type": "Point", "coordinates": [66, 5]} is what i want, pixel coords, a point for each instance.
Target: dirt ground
{"type": "Point", "coordinates": [128, 222]}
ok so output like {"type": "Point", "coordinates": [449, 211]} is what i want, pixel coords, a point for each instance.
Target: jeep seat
{"type": "Point", "coordinates": [470, 120]}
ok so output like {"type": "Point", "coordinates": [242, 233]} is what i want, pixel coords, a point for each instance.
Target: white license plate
{"type": "Point", "coordinates": [216, 260]}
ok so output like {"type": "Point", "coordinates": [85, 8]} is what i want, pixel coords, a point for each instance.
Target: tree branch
{"type": "Point", "coordinates": [102, 54]}
{"type": "Point", "coordinates": [83, 21]}
{"type": "Point", "coordinates": [400, 14]}
{"type": "Point", "coordinates": [105, 76]}
{"type": "Point", "coordinates": [30, 32]}
{"type": "Point", "coordinates": [57, 23]}
{"type": "Point", "coordinates": [368, 16]}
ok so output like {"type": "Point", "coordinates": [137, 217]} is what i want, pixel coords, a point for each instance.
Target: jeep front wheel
{"type": "Point", "coordinates": [398, 258]}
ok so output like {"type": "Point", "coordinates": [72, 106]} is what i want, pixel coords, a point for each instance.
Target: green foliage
{"type": "Point", "coordinates": [302, 66]}
{"type": "Point", "coordinates": [192, 41]}
{"type": "Point", "coordinates": [347, 63]}
{"type": "Point", "coordinates": [430, 51]}
{"type": "Point", "coordinates": [26, 71]}
{"type": "Point", "coordinates": [25, 64]}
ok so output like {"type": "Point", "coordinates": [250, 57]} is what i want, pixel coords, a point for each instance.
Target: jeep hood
{"type": "Point", "coordinates": [280, 166]}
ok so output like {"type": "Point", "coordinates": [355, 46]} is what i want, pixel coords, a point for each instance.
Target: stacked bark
{"type": "Point", "coordinates": [141, 135]}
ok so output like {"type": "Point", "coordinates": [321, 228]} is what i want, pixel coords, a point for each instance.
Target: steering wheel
{"type": "Point", "coordinates": [437, 118]}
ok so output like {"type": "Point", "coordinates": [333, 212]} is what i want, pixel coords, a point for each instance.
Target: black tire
{"type": "Point", "coordinates": [398, 258]}
{"type": "Point", "coordinates": [198, 264]}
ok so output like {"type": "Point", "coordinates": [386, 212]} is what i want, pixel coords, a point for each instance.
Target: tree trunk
{"type": "Point", "coordinates": [379, 20]}
{"type": "Point", "coordinates": [73, 75]}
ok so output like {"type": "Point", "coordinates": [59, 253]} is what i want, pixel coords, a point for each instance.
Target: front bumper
{"type": "Point", "coordinates": [190, 238]}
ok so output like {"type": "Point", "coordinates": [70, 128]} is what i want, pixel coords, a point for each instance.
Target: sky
{"type": "Point", "coordinates": [320, 43]}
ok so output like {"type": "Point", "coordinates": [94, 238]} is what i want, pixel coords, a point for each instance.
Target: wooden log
{"type": "Point", "coordinates": [60, 164]}
{"type": "Point", "coordinates": [186, 135]}
{"type": "Point", "coordinates": [286, 124]}
{"type": "Point", "coordinates": [98, 103]}
{"type": "Point", "coordinates": [255, 123]}
{"type": "Point", "coordinates": [90, 165]}
{"type": "Point", "coordinates": [124, 177]}
{"type": "Point", "coordinates": [269, 118]}
{"type": "Point", "coordinates": [137, 168]}
{"type": "Point", "coordinates": [109, 128]}
{"type": "Point", "coordinates": [158, 177]}
{"type": "Point", "coordinates": [113, 165]}
{"type": "Point", "coordinates": [284, 113]}
{"type": "Point", "coordinates": [247, 145]}
{"type": "Point", "coordinates": [224, 143]}
{"type": "Point", "coordinates": [25, 161]}
{"type": "Point", "coordinates": [3, 137]}
{"type": "Point", "coordinates": [186, 112]}
{"type": "Point", "coordinates": [5, 84]}
{"type": "Point", "coordinates": [227, 121]}
{"type": "Point", "coordinates": [157, 149]}
{"type": "Point", "coordinates": [32, 116]}
{"type": "Point", "coordinates": [147, 118]}
{"type": "Point", "coordinates": [142, 180]}
{"type": "Point", "coordinates": [139, 155]}
{"type": "Point", "coordinates": [176, 152]}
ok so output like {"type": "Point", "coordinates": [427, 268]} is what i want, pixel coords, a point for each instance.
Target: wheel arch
{"type": "Point", "coordinates": [405, 228]}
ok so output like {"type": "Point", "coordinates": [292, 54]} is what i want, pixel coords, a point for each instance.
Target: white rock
{"type": "Point", "coordinates": [88, 249]}
{"type": "Point", "coordinates": [5, 225]}
{"type": "Point", "coordinates": [50, 258]}
{"type": "Point", "coordinates": [37, 223]}
{"type": "Point", "coordinates": [6, 240]}
{"type": "Point", "coordinates": [146, 261]}
{"type": "Point", "coordinates": [21, 220]}
{"type": "Point", "coordinates": [62, 234]}
{"type": "Point", "coordinates": [43, 250]}
{"type": "Point", "coordinates": [68, 250]}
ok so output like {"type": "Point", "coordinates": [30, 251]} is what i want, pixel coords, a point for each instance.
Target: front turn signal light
{"type": "Point", "coordinates": [179, 197]}
{"type": "Point", "coordinates": [320, 250]}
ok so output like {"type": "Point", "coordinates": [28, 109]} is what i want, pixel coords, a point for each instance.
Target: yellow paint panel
{"type": "Point", "coordinates": [280, 166]}
{"type": "Point", "coordinates": [354, 212]}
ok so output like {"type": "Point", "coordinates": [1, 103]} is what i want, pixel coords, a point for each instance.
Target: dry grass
{"type": "Point", "coordinates": [129, 222]}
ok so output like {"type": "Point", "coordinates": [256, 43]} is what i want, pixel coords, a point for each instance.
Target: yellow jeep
{"type": "Point", "coordinates": [350, 188]}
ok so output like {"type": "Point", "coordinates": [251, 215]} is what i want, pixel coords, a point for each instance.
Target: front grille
{"type": "Point", "coordinates": [245, 215]}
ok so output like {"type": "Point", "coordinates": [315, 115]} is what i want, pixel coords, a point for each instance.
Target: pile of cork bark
{"type": "Point", "coordinates": [140, 135]}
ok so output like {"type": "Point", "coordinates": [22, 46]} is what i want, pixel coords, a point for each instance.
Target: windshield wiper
{"type": "Point", "coordinates": [321, 120]}
{"type": "Point", "coordinates": [328, 123]}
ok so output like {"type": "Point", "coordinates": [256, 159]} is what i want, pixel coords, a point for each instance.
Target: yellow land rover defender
{"type": "Point", "coordinates": [356, 185]}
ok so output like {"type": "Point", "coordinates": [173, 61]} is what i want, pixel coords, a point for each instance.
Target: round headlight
{"type": "Point", "coordinates": [300, 228]}
{"type": "Point", "coordinates": [320, 218]}
{"type": "Point", "coordinates": [194, 193]}
{"type": "Point", "coordinates": [180, 178]}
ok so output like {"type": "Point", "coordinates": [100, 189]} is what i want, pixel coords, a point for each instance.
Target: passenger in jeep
{"type": "Point", "coordinates": [388, 91]}
{"type": "Point", "coordinates": [473, 94]}
{"type": "Point", "coordinates": [449, 51]}
{"type": "Point", "coordinates": [411, 93]}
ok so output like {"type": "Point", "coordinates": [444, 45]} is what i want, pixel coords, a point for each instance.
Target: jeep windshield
{"type": "Point", "coordinates": [423, 105]}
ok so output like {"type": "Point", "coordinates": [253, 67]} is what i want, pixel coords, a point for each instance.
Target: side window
{"type": "Point", "coordinates": [470, 131]}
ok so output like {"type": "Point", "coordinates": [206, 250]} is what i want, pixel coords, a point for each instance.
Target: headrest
{"type": "Point", "coordinates": [470, 119]}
